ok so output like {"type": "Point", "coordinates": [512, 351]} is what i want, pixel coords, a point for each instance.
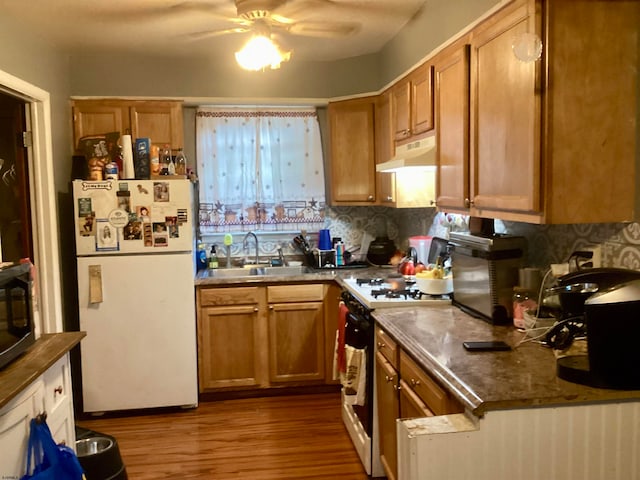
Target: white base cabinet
{"type": "Point", "coordinates": [586, 442]}
{"type": "Point", "coordinates": [50, 393]}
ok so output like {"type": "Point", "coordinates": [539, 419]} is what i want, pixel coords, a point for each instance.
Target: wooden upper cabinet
{"type": "Point", "coordinates": [385, 149]}
{"type": "Point", "coordinates": [161, 121]}
{"type": "Point", "coordinates": [421, 99]}
{"type": "Point", "coordinates": [452, 127]}
{"type": "Point", "coordinates": [592, 97]}
{"type": "Point", "coordinates": [550, 140]}
{"type": "Point", "coordinates": [96, 117]}
{"type": "Point", "coordinates": [505, 119]}
{"type": "Point", "coordinates": [412, 104]}
{"type": "Point", "coordinates": [352, 163]}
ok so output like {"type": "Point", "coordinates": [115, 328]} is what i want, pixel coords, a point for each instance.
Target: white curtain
{"type": "Point", "coordinates": [259, 168]}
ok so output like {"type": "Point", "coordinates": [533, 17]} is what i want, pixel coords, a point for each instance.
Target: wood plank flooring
{"type": "Point", "coordinates": [291, 437]}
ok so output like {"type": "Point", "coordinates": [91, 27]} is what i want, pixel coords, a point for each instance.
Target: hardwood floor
{"type": "Point", "coordinates": [291, 437]}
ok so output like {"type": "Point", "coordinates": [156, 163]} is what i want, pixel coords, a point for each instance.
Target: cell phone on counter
{"type": "Point", "coordinates": [486, 346]}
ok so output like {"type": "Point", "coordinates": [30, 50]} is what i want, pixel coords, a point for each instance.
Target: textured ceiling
{"type": "Point", "coordinates": [178, 28]}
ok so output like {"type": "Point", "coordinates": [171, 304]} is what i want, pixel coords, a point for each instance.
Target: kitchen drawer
{"type": "Point", "coordinates": [430, 392]}
{"type": "Point", "coordinates": [210, 297]}
{"type": "Point", "coordinates": [411, 405]}
{"type": "Point", "coordinates": [295, 293]}
{"type": "Point", "coordinates": [57, 386]}
{"type": "Point", "coordinates": [387, 346]}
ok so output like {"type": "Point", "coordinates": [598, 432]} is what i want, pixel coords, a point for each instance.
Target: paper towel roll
{"type": "Point", "coordinates": [127, 157]}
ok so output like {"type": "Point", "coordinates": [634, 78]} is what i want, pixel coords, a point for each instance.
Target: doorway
{"type": "Point", "coordinates": [16, 239]}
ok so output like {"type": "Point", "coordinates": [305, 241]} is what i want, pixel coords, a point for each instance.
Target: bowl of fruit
{"type": "Point", "coordinates": [434, 280]}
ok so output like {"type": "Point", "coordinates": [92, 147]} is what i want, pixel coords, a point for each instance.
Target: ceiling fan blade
{"type": "Point", "coordinates": [216, 33]}
{"type": "Point", "coordinates": [307, 8]}
{"type": "Point", "coordinates": [324, 29]}
{"type": "Point", "coordinates": [201, 7]}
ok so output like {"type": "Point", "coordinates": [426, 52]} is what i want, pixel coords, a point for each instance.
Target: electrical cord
{"type": "Point", "coordinates": [528, 331]}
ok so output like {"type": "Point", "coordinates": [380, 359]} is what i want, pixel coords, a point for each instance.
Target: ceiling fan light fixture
{"type": "Point", "coordinates": [259, 53]}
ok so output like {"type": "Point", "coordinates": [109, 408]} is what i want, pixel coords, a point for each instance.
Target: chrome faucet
{"type": "Point", "coordinates": [245, 244]}
{"type": "Point", "coordinates": [283, 260]}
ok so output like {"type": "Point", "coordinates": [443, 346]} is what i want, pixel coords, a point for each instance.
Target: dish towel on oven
{"type": "Point", "coordinates": [354, 380]}
{"type": "Point", "coordinates": [339, 364]}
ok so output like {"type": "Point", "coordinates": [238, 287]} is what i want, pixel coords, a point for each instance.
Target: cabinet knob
{"type": "Point", "coordinates": [432, 202]}
{"type": "Point", "coordinates": [467, 202]}
{"type": "Point", "coordinates": [414, 382]}
{"type": "Point", "coordinates": [58, 390]}
{"type": "Point", "coordinates": [256, 309]}
{"type": "Point", "coordinates": [381, 345]}
{"type": "Point", "coordinates": [389, 378]}
{"type": "Point", "coordinates": [397, 387]}
{"type": "Point", "coordinates": [389, 198]}
{"type": "Point", "coordinates": [270, 307]}
{"type": "Point", "coordinates": [370, 198]}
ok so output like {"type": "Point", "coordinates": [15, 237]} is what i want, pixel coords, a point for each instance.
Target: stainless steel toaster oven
{"type": "Point", "coordinates": [485, 270]}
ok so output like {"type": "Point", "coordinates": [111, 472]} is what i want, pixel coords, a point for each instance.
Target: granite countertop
{"type": "Point", "coordinates": [17, 376]}
{"type": "Point", "coordinates": [484, 381]}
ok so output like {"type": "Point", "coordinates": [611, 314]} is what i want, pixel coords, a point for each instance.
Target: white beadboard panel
{"type": "Point", "coordinates": [582, 442]}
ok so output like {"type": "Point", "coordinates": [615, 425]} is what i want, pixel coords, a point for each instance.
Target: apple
{"type": "Point", "coordinates": [420, 267]}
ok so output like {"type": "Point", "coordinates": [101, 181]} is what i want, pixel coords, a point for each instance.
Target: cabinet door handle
{"type": "Point", "coordinates": [58, 390]}
{"type": "Point", "coordinates": [389, 378]}
{"type": "Point", "coordinates": [381, 345]}
{"type": "Point", "coordinates": [389, 198]}
{"type": "Point", "coordinates": [432, 202]}
{"type": "Point", "coordinates": [414, 382]}
{"type": "Point", "coordinates": [397, 387]}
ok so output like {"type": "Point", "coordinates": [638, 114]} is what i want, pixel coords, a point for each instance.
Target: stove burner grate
{"type": "Point", "coordinates": [369, 281]}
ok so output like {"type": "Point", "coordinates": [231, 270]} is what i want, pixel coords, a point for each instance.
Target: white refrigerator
{"type": "Point", "coordinates": [134, 246]}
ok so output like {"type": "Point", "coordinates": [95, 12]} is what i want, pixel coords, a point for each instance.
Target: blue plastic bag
{"type": "Point", "coordinates": [50, 461]}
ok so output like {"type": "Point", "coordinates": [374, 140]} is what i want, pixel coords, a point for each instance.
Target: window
{"type": "Point", "coordinates": [259, 169]}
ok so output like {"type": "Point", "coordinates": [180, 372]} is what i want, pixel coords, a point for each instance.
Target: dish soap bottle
{"type": "Point", "coordinates": [213, 258]}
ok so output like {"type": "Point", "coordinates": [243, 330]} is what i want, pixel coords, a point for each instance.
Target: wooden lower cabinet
{"type": "Point", "coordinates": [403, 390]}
{"type": "Point", "coordinates": [263, 336]}
{"type": "Point", "coordinates": [296, 333]}
{"type": "Point", "coordinates": [388, 411]}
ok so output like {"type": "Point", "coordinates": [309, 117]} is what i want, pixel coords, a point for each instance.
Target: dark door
{"type": "Point", "coordinates": [15, 216]}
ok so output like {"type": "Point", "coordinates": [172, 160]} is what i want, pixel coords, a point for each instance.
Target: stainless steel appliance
{"type": "Point", "coordinates": [16, 315]}
{"type": "Point", "coordinates": [485, 270]}
{"type": "Point", "coordinates": [361, 297]}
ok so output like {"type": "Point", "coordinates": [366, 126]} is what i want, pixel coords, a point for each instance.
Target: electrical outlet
{"type": "Point", "coordinates": [596, 260]}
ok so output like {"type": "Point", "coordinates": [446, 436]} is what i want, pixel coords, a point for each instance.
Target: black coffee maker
{"type": "Point", "coordinates": [611, 322]}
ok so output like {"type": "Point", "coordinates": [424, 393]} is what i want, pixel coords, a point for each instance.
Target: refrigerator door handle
{"type": "Point", "coordinates": [95, 284]}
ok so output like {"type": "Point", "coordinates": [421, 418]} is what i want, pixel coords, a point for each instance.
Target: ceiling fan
{"type": "Point", "coordinates": [277, 16]}
{"type": "Point", "coordinates": [263, 19]}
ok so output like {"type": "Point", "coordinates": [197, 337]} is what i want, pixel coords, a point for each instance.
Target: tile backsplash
{"type": "Point", "coordinates": [546, 243]}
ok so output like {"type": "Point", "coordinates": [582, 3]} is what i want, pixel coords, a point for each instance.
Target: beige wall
{"type": "Point", "coordinates": [112, 75]}
{"type": "Point", "coordinates": [437, 22]}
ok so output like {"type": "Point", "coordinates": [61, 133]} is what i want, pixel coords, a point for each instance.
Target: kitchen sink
{"type": "Point", "coordinates": [297, 270]}
{"type": "Point", "coordinates": [265, 271]}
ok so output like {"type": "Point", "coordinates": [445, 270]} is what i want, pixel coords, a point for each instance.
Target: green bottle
{"type": "Point", "coordinates": [213, 258]}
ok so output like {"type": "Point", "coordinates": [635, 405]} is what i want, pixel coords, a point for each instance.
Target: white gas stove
{"type": "Point", "coordinates": [391, 292]}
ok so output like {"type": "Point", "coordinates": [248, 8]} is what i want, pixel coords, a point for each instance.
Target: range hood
{"type": "Point", "coordinates": [420, 154]}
